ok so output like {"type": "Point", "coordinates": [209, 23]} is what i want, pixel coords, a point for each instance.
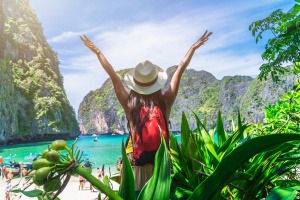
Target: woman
{"type": "Point", "coordinates": [145, 98]}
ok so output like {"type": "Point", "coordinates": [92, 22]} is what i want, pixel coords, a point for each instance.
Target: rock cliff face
{"type": "Point", "coordinates": [33, 103]}
{"type": "Point", "coordinates": [199, 91]}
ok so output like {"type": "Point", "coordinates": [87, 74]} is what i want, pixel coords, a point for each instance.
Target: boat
{"type": "Point", "coordinates": [29, 159]}
{"type": "Point", "coordinates": [95, 139]}
{"type": "Point", "coordinates": [14, 166]}
{"type": "Point", "coordinates": [15, 171]}
{"type": "Point", "coordinates": [94, 135]}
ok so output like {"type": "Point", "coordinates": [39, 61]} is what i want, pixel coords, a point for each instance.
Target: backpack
{"type": "Point", "coordinates": [146, 145]}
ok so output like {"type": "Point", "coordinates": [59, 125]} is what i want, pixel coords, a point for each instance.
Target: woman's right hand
{"type": "Point", "coordinates": [90, 44]}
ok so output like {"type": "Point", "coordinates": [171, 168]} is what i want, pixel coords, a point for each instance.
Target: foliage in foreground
{"type": "Point", "coordinates": [237, 165]}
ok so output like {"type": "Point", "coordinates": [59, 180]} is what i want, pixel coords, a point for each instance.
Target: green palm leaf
{"type": "Point", "coordinates": [283, 193]}
{"type": "Point", "coordinates": [158, 187]}
{"type": "Point", "coordinates": [222, 136]}
{"type": "Point", "coordinates": [127, 189]}
{"type": "Point", "coordinates": [185, 132]}
{"type": "Point", "coordinates": [210, 188]}
{"type": "Point", "coordinates": [208, 141]}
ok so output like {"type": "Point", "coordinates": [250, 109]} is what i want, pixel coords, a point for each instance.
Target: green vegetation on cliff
{"type": "Point", "coordinates": [200, 92]}
{"type": "Point", "coordinates": [32, 80]}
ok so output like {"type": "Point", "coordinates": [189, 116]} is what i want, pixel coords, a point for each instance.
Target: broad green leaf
{"type": "Point", "coordinates": [262, 174]}
{"type": "Point", "coordinates": [232, 141]}
{"type": "Point", "coordinates": [212, 185]}
{"type": "Point", "coordinates": [220, 130]}
{"type": "Point", "coordinates": [16, 191]}
{"type": "Point", "coordinates": [208, 142]}
{"type": "Point", "coordinates": [192, 165]}
{"type": "Point", "coordinates": [106, 181]}
{"type": "Point", "coordinates": [116, 178]}
{"type": "Point", "coordinates": [282, 194]}
{"type": "Point", "coordinates": [32, 193]}
{"type": "Point", "coordinates": [185, 132]}
{"type": "Point", "coordinates": [295, 9]}
{"type": "Point", "coordinates": [181, 193]}
{"type": "Point", "coordinates": [127, 189]}
{"type": "Point", "coordinates": [287, 183]}
{"type": "Point", "coordinates": [178, 157]}
{"type": "Point", "coordinates": [158, 187]}
{"type": "Point", "coordinates": [239, 176]}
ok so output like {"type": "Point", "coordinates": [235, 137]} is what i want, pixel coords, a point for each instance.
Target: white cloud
{"type": "Point", "coordinates": [164, 42]}
{"type": "Point", "coordinates": [65, 36]}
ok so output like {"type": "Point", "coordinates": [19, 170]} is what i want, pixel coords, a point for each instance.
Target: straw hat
{"type": "Point", "coordinates": [146, 78]}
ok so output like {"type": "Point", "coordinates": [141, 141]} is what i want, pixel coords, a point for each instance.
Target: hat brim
{"type": "Point", "coordinates": [159, 84]}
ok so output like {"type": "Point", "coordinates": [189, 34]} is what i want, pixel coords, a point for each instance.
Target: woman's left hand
{"type": "Point", "coordinates": [202, 40]}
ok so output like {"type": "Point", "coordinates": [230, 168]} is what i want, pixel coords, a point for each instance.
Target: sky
{"type": "Point", "coordinates": [161, 31]}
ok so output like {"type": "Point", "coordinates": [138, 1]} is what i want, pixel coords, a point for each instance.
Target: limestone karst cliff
{"type": "Point", "coordinates": [200, 91]}
{"type": "Point", "coordinates": [33, 103]}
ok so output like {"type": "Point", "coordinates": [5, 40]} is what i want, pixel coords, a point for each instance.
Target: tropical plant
{"type": "Point", "coordinates": [235, 166]}
{"type": "Point", "coordinates": [58, 162]}
{"type": "Point", "coordinates": [284, 116]}
{"type": "Point", "coordinates": [231, 166]}
{"type": "Point", "coordinates": [283, 48]}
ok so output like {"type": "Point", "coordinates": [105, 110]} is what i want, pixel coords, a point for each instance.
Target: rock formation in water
{"type": "Point", "coordinates": [199, 91]}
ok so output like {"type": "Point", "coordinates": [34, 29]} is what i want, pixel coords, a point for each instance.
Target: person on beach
{"type": "Point", "coordinates": [81, 182]}
{"type": "Point", "coordinates": [102, 171]}
{"type": "Point", "coordinates": [1, 167]}
{"type": "Point", "coordinates": [21, 169]}
{"type": "Point", "coordinates": [3, 171]}
{"type": "Point", "coordinates": [146, 96]}
{"type": "Point", "coordinates": [24, 172]}
{"type": "Point", "coordinates": [8, 188]}
{"type": "Point", "coordinates": [99, 173]}
{"type": "Point", "coordinates": [9, 175]}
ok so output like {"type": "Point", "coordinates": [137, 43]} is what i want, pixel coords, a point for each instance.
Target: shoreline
{"type": "Point", "coordinates": [71, 191]}
{"type": "Point", "coordinates": [49, 138]}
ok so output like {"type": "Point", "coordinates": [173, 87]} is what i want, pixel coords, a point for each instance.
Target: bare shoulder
{"type": "Point", "coordinates": [168, 102]}
{"type": "Point", "coordinates": [169, 99]}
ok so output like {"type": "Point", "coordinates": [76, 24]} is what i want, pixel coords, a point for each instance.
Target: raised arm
{"type": "Point", "coordinates": [121, 93]}
{"type": "Point", "coordinates": [171, 93]}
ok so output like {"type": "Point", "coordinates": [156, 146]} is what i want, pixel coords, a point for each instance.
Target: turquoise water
{"type": "Point", "coordinates": [105, 151]}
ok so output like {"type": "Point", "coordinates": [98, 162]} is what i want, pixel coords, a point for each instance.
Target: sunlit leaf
{"type": "Point", "coordinates": [282, 193]}
{"type": "Point", "coordinates": [32, 193]}
{"type": "Point", "coordinates": [127, 189]}
{"type": "Point", "coordinates": [212, 185]}
{"type": "Point", "coordinates": [158, 187]}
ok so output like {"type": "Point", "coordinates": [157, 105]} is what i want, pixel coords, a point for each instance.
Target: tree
{"type": "Point", "coordinates": [285, 46]}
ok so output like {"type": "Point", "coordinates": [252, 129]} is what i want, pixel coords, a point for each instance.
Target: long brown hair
{"type": "Point", "coordinates": [136, 101]}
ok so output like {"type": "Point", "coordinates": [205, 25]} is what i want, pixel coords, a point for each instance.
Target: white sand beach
{"type": "Point", "coordinates": [71, 191]}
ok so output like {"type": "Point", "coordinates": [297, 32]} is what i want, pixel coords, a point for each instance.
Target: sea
{"type": "Point", "coordinates": [105, 151]}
